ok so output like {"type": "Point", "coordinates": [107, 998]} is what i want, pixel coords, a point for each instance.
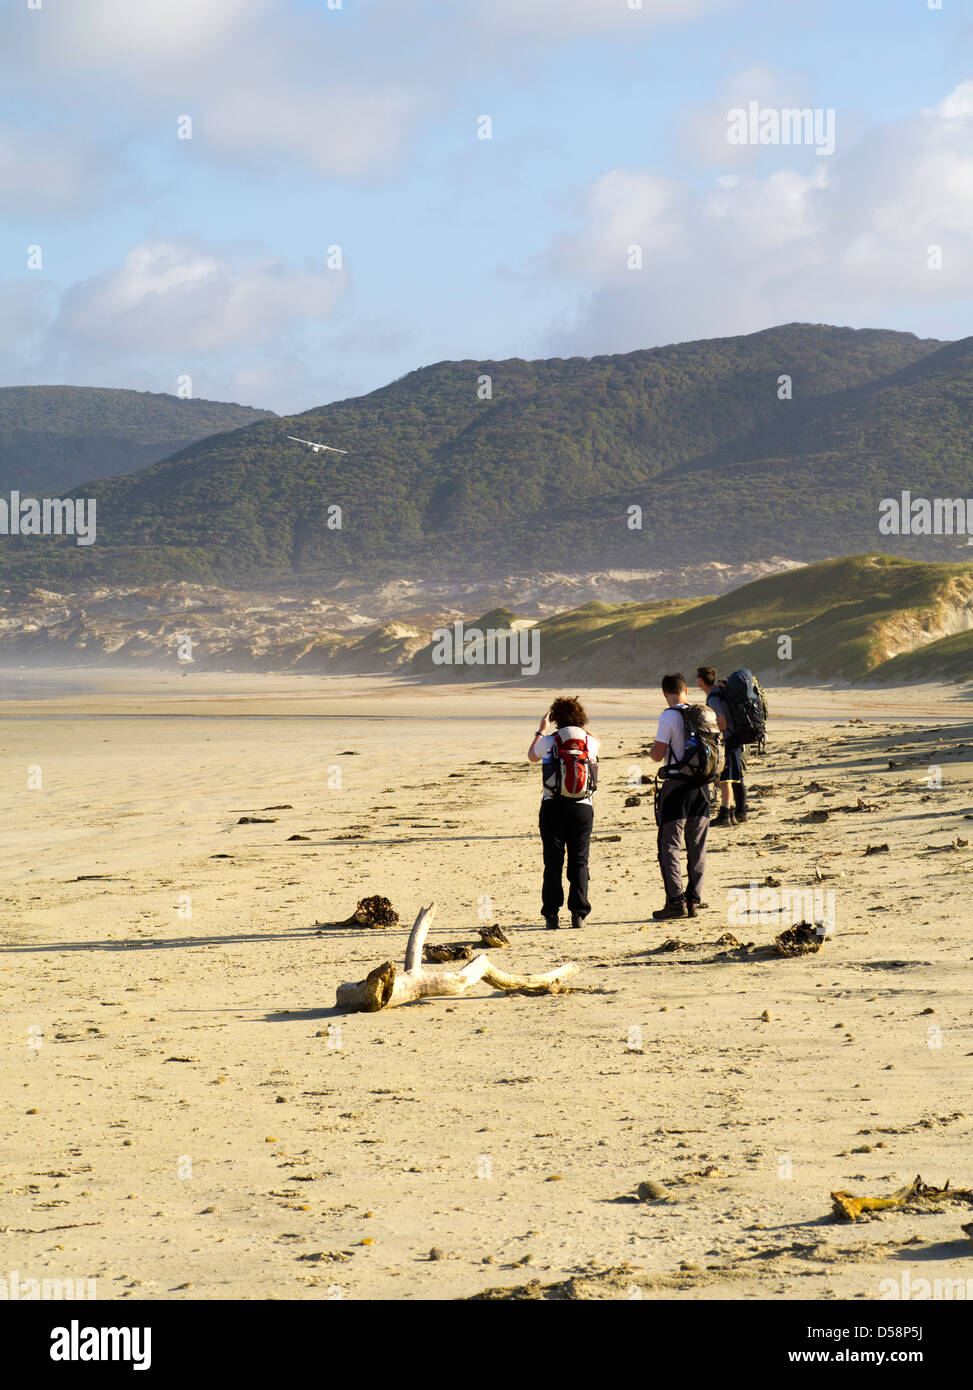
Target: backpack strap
{"type": "Point", "coordinates": [556, 761]}
{"type": "Point", "coordinates": [675, 764]}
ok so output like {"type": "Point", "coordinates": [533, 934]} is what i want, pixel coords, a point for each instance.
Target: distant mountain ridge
{"type": "Point", "coordinates": [54, 437]}
{"type": "Point", "coordinates": [658, 458]}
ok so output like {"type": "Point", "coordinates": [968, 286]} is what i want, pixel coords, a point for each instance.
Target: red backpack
{"type": "Point", "coordinates": [575, 775]}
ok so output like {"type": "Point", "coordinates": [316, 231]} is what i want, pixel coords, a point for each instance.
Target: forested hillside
{"type": "Point", "coordinates": [546, 471]}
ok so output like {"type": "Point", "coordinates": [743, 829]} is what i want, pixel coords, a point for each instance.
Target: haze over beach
{"type": "Point", "coordinates": [486, 670]}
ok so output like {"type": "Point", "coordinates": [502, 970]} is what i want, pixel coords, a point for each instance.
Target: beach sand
{"type": "Point", "coordinates": [295, 1152]}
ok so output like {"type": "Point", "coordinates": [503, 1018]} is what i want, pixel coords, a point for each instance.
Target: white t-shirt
{"type": "Point", "coordinates": [544, 746]}
{"type": "Point", "coordinates": [672, 733]}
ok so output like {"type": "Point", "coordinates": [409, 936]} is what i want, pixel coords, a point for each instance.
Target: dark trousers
{"type": "Point", "coordinates": [565, 825]}
{"type": "Point", "coordinates": [734, 766]}
{"type": "Point", "coordinates": [683, 819]}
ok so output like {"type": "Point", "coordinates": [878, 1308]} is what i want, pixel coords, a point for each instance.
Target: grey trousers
{"type": "Point", "coordinates": [683, 818]}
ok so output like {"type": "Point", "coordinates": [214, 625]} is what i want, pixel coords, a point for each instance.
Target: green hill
{"type": "Point", "coordinates": [845, 620]}
{"type": "Point", "coordinates": [54, 437]}
{"type": "Point", "coordinates": [544, 473]}
{"type": "Point", "coordinates": [843, 617]}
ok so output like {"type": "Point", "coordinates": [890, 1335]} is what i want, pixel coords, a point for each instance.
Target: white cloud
{"type": "Point", "coordinates": [844, 238]}
{"type": "Point", "coordinates": [262, 81]}
{"type": "Point", "coordinates": [702, 129]}
{"type": "Point", "coordinates": [341, 129]}
{"type": "Point", "coordinates": [266, 81]}
{"type": "Point", "coordinates": [105, 32]}
{"type": "Point", "coordinates": [624, 208]}
{"type": "Point", "coordinates": [958, 106]}
{"type": "Point", "coordinates": [241, 326]}
{"type": "Point", "coordinates": [43, 173]}
{"type": "Point", "coordinates": [564, 19]}
{"type": "Point", "coordinates": [182, 297]}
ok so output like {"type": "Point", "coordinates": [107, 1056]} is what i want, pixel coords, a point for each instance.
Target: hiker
{"type": "Point", "coordinates": [740, 709]}
{"type": "Point", "coordinates": [687, 743]}
{"type": "Point", "coordinates": [569, 755]}
{"type": "Point", "coordinates": [732, 786]}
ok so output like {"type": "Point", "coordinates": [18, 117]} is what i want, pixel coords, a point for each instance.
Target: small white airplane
{"type": "Point", "coordinates": [316, 447]}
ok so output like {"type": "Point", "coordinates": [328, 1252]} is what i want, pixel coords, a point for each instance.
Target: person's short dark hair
{"type": "Point", "coordinates": [568, 709]}
{"type": "Point", "coordinates": [707, 674]}
{"type": "Point", "coordinates": [674, 684]}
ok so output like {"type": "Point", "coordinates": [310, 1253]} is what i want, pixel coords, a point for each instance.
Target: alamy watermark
{"type": "Point", "coordinates": [470, 646]}
{"type": "Point", "coordinates": [77, 1343]}
{"type": "Point", "coordinates": [754, 124]}
{"type": "Point", "coordinates": [909, 1289]}
{"type": "Point", "coordinates": [925, 516]}
{"type": "Point", "coordinates": [781, 907]}
{"type": "Point", "coordinates": [14, 1287]}
{"type": "Point", "coordinates": [49, 516]}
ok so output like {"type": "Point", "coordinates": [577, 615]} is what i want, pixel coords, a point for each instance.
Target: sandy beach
{"type": "Point", "coordinates": [298, 1152]}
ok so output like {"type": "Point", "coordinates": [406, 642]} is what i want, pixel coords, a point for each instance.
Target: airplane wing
{"type": "Point", "coordinates": [313, 445]}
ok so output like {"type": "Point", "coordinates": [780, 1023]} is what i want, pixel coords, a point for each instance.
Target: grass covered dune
{"type": "Point", "coordinates": [865, 617]}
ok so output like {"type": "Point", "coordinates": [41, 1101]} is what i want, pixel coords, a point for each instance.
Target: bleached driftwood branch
{"type": "Point", "coordinates": [385, 988]}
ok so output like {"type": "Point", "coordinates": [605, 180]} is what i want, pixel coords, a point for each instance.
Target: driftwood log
{"type": "Point", "coordinates": [918, 1196]}
{"type": "Point", "coordinates": [386, 988]}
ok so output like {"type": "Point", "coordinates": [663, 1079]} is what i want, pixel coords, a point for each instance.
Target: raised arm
{"type": "Point", "coordinates": [546, 726]}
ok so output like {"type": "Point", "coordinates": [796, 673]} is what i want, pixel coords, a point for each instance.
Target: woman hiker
{"type": "Point", "coordinates": [569, 758]}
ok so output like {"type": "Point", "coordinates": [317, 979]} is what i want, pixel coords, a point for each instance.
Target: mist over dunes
{"type": "Point", "coordinates": [878, 618]}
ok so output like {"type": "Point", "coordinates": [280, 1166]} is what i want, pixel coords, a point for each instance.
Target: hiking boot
{"type": "Point", "coordinates": [741, 817]}
{"type": "Point", "coordinates": [552, 923]}
{"type": "Point", "coordinates": [576, 919]}
{"type": "Point", "coordinates": [673, 909]}
{"type": "Point", "coordinates": [727, 816]}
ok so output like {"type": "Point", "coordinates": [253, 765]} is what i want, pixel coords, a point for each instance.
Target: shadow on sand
{"type": "Point", "coordinates": [173, 943]}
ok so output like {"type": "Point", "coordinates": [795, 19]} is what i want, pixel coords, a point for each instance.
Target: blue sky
{"type": "Point", "coordinates": [357, 126]}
